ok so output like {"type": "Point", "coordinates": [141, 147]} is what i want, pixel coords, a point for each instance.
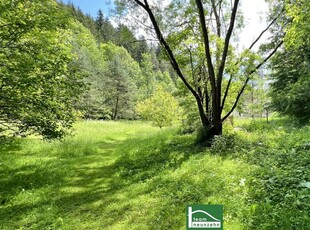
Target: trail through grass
{"type": "Point", "coordinates": [129, 175]}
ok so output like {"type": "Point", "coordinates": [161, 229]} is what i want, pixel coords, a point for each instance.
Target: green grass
{"type": "Point", "coordinates": [129, 175]}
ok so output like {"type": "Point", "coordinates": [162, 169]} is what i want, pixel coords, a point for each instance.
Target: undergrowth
{"type": "Point", "coordinates": [129, 175]}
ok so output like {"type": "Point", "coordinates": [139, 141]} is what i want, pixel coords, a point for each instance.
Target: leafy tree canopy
{"type": "Point", "coordinates": [122, 73]}
{"type": "Point", "coordinates": [291, 67]}
{"type": "Point", "coordinates": [197, 38]}
{"type": "Point", "coordinates": [38, 78]}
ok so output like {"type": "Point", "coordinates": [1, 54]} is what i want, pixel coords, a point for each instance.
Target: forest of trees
{"type": "Point", "coordinates": [59, 64]}
{"type": "Point", "coordinates": [124, 122]}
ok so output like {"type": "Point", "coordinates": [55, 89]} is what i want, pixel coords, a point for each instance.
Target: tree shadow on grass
{"type": "Point", "coordinates": [149, 157]}
{"type": "Point", "coordinates": [94, 190]}
{"type": "Point", "coordinates": [9, 145]}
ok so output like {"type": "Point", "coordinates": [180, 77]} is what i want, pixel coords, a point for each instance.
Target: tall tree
{"type": "Point", "coordinates": [148, 80]}
{"type": "Point", "coordinates": [151, 78]}
{"type": "Point", "coordinates": [105, 30]}
{"type": "Point", "coordinates": [196, 36]}
{"type": "Point", "coordinates": [91, 63]}
{"type": "Point", "coordinates": [291, 67]}
{"type": "Point", "coordinates": [126, 38]}
{"type": "Point", "coordinates": [121, 73]}
{"type": "Point", "coordinates": [38, 78]}
{"type": "Point", "coordinates": [78, 14]}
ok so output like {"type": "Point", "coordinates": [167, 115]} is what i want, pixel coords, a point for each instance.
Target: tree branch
{"type": "Point", "coordinates": [267, 28]}
{"type": "Point", "coordinates": [218, 31]}
{"type": "Point", "coordinates": [217, 19]}
{"type": "Point", "coordinates": [192, 64]}
{"type": "Point", "coordinates": [140, 4]}
{"type": "Point", "coordinates": [172, 59]}
{"type": "Point", "coordinates": [140, 22]}
{"type": "Point", "coordinates": [251, 46]}
{"type": "Point", "coordinates": [226, 92]}
{"type": "Point", "coordinates": [223, 60]}
{"type": "Point", "coordinates": [205, 35]}
{"type": "Point", "coordinates": [227, 39]}
{"type": "Point", "coordinates": [165, 45]}
{"type": "Point", "coordinates": [142, 40]}
{"type": "Point", "coordinates": [206, 41]}
{"type": "Point", "coordinates": [248, 78]}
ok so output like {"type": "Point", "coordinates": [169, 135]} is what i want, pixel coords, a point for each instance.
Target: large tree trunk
{"type": "Point", "coordinates": [207, 134]}
{"type": "Point", "coordinates": [218, 126]}
{"type": "Point", "coordinates": [214, 129]}
{"type": "Point", "coordinates": [210, 118]}
{"type": "Point", "coordinates": [210, 127]}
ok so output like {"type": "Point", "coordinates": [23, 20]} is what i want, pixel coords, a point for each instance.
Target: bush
{"type": "Point", "coordinates": [161, 109]}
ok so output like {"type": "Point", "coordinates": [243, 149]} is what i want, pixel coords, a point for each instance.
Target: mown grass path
{"type": "Point", "coordinates": [128, 175]}
{"type": "Point", "coordinates": [63, 184]}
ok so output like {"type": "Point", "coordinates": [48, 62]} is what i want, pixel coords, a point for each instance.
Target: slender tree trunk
{"type": "Point", "coordinates": [116, 108]}
{"type": "Point", "coordinates": [252, 100]}
{"type": "Point", "coordinates": [203, 117]}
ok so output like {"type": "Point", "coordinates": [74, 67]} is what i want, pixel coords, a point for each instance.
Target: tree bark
{"type": "Point", "coordinates": [210, 104]}
{"type": "Point", "coordinates": [115, 109]}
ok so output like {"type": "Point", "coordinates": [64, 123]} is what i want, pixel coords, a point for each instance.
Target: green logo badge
{"type": "Point", "coordinates": [201, 216]}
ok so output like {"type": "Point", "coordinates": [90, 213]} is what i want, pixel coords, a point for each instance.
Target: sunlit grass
{"type": "Point", "coordinates": [130, 175]}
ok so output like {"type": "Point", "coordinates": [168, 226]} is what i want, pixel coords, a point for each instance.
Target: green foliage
{"type": "Point", "coordinates": [75, 12]}
{"type": "Point", "coordinates": [39, 80]}
{"type": "Point", "coordinates": [290, 90]}
{"type": "Point", "coordinates": [149, 176]}
{"type": "Point", "coordinates": [297, 33]}
{"type": "Point", "coordinates": [255, 100]}
{"type": "Point", "coordinates": [113, 78]}
{"type": "Point", "coordinates": [122, 74]}
{"type": "Point", "coordinates": [190, 119]}
{"type": "Point", "coordinates": [147, 83]}
{"type": "Point", "coordinates": [106, 66]}
{"type": "Point", "coordinates": [201, 52]}
{"type": "Point", "coordinates": [290, 95]}
{"type": "Point", "coordinates": [125, 37]}
{"type": "Point", "coordinates": [114, 69]}
{"type": "Point", "coordinates": [91, 63]}
{"type": "Point", "coordinates": [105, 30]}
{"type": "Point", "coordinates": [152, 78]}
{"type": "Point", "coordinates": [278, 189]}
{"type": "Point", "coordinates": [162, 109]}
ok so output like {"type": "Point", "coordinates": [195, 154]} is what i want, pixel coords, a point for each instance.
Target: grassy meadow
{"type": "Point", "coordinates": [129, 175]}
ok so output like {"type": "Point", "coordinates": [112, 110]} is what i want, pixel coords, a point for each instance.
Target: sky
{"type": "Point", "coordinates": [92, 6]}
{"type": "Point", "coordinates": [253, 12]}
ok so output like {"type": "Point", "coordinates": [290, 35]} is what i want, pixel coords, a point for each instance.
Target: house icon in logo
{"type": "Point", "coordinates": [204, 217]}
